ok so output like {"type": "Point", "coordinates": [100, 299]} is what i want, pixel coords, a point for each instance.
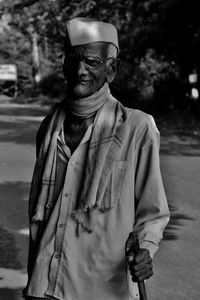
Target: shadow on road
{"type": "Point", "coordinates": [14, 204]}
{"type": "Point", "coordinates": [21, 132]}
{"type": "Point", "coordinates": [13, 244]}
{"type": "Point", "coordinates": [180, 145]}
{"type": "Point", "coordinates": [8, 260]}
{"type": "Point", "coordinates": [7, 294]}
{"type": "Point", "coordinates": [8, 251]}
{"type": "Point", "coordinates": [176, 220]}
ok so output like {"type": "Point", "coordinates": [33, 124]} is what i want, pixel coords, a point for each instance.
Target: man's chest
{"type": "Point", "coordinates": [74, 131]}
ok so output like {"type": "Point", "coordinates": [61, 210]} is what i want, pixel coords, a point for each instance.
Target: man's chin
{"type": "Point", "coordinates": [81, 91]}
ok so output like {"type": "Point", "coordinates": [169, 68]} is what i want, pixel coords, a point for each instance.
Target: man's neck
{"type": "Point", "coordinates": [74, 130]}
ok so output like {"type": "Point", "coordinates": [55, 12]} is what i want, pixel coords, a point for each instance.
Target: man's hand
{"type": "Point", "coordinates": [140, 264]}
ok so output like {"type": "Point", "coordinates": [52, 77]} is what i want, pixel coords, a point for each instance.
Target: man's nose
{"type": "Point", "coordinates": [81, 69]}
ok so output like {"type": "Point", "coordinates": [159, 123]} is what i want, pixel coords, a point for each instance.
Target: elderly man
{"type": "Point", "coordinates": [96, 179]}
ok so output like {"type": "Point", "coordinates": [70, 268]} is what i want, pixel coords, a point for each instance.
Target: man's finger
{"type": "Point", "coordinates": [143, 270]}
{"type": "Point", "coordinates": [129, 245]}
{"type": "Point", "coordinates": [142, 274]}
{"type": "Point", "coordinates": [130, 256]}
{"type": "Point", "coordinates": [140, 271]}
{"type": "Point", "coordinates": [143, 255]}
{"type": "Point", "coordinates": [145, 276]}
{"type": "Point", "coordinates": [142, 264]}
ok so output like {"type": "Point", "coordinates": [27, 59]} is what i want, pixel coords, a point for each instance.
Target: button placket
{"type": "Point", "coordinates": [62, 222]}
{"type": "Point", "coordinates": [65, 207]}
{"type": "Point", "coordinates": [65, 225]}
{"type": "Point", "coordinates": [60, 233]}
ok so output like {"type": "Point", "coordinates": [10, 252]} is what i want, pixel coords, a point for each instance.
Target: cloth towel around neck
{"type": "Point", "coordinates": [88, 106]}
{"type": "Point", "coordinates": [107, 137]}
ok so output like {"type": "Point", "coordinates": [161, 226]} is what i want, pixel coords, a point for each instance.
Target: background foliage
{"type": "Point", "coordinates": [159, 43]}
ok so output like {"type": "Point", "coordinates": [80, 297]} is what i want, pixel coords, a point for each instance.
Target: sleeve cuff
{"type": "Point", "coordinates": [149, 246]}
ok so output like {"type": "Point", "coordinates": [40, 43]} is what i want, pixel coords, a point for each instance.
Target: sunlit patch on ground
{"type": "Point", "coordinates": [16, 162]}
{"type": "Point", "coordinates": [12, 279]}
{"type": "Point", "coordinates": [24, 231]}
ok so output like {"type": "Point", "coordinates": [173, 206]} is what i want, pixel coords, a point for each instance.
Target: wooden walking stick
{"type": "Point", "coordinates": [133, 245]}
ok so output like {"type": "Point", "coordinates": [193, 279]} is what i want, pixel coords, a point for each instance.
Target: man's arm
{"type": "Point", "coordinates": [40, 134]}
{"type": "Point", "coordinates": [43, 127]}
{"type": "Point", "coordinates": [151, 207]}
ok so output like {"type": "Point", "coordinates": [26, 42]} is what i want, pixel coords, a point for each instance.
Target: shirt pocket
{"type": "Point", "coordinates": [114, 189]}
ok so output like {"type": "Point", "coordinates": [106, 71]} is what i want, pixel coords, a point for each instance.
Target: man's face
{"type": "Point", "coordinates": [83, 81]}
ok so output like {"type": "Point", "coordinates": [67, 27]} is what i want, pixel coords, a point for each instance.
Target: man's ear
{"type": "Point", "coordinates": [113, 67]}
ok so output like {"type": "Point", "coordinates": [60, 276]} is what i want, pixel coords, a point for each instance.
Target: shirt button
{"type": "Point", "coordinates": [61, 225]}
{"type": "Point", "coordinates": [73, 163]}
{"type": "Point", "coordinates": [66, 194]}
{"type": "Point", "coordinates": [57, 256]}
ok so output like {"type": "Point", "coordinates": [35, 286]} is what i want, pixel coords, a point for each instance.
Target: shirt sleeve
{"type": "Point", "coordinates": [40, 134]}
{"type": "Point", "coordinates": [43, 127]}
{"type": "Point", "coordinates": [151, 210]}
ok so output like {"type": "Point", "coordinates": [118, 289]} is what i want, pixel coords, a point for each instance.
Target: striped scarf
{"type": "Point", "coordinates": [104, 146]}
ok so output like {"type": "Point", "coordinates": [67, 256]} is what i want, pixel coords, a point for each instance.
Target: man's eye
{"type": "Point", "coordinates": [92, 62]}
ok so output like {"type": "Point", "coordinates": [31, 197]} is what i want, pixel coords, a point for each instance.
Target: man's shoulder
{"type": "Point", "coordinates": [141, 127]}
{"type": "Point", "coordinates": [136, 114]}
{"type": "Point", "coordinates": [43, 127]}
{"type": "Point", "coordinates": [138, 118]}
{"type": "Point", "coordinates": [44, 124]}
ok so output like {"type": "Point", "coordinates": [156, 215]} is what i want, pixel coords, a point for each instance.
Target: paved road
{"type": "Point", "coordinates": [177, 264]}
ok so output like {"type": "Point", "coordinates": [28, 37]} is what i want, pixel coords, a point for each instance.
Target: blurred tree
{"type": "Point", "coordinates": [47, 19]}
{"type": "Point", "coordinates": [160, 41]}
{"type": "Point", "coordinates": [14, 49]}
{"type": "Point", "coordinates": [151, 73]}
{"type": "Point", "coordinates": [172, 29]}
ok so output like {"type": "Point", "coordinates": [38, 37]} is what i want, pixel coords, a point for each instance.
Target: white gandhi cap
{"type": "Point", "coordinates": [80, 31]}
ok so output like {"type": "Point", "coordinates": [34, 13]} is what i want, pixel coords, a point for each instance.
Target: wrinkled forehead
{"type": "Point", "coordinates": [99, 49]}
